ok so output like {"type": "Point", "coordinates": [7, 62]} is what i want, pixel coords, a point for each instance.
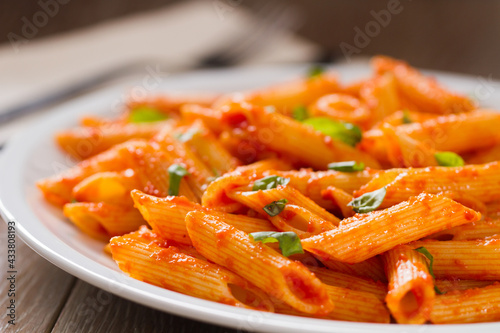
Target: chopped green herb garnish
{"type": "Point", "coordinates": [300, 113]}
{"type": "Point", "coordinates": [145, 114]}
{"type": "Point", "coordinates": [406, 117]}
{"type": "Point", "coordinates": [350, 166]}
{"type": "Point", "coordinates": [175, 174]}
{"type": "Point", "coordinates": [269, 182]}
{"type": "Point", "coordinates": [430, 265]}
{"type": "Point", "coordinates": [348, 133]}
{"type": "Point", "coordinates": [186, 136]}
{"type": "Point", "coordinates": [429, 256]}
{"type": "Point", "coordinates": [275, 207]}
{"type": "Point", "coordinates": [368, 202]}
{"type": "Point", "coordinates": [449, 159]}
{"type": "Point", "coordinates": [74, 201]}
{"type": "Point", "coordinates": [289, 242]}
{"type": "Point", "coordinates": [315, 71]}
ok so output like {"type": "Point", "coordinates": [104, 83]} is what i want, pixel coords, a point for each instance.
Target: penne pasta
{"type": "Point", "coordinates": [446, 286]}
{"type": "Point", "coordinates": [310, 197]}
{"type": "Point", "coordinates": [366, 235]}
{"type": "Point", "coordinates": [445, 133]}
{"type": "Point", "coordinates": [278, 276]}
{"type": "Point", "coordinates": [478, 181]}
{"type": "Point", "coordinates": [140, 256]}
{"type": "Point", "coordinates": [352, 305]}
{"type": "Point", "coordinates": [216, 196]}
{"type": "Point", "coordinates": [476, 230]}
{"type": "Point", "coordinates": [405, 152]}
{"type": "Point", "coordinates": [109, 187]}
{"type": "Point", "coordinates": [484, 156]}
{"type": "Point", "coordinates": [167, 216]}
{"type": "Point", "coordinates": [287, 136]}
{"type": "Point", "coordinates": [468, 306]}
{"type": "Point", "coordinates": [469, 260]}
{"type": "Point", "coordinates": [381, 96]}
{"type": "Point", "coordinates": [411, 286]}
{"type": "Point", "coordinates": [371, 268]}
{"type": "Point", "coordinates": [84, 142]}
{"type": "Point", "coordinates": [210, 151]}
{"type": "Point", "coordinates": [312, 184]}
{"type": "Point", "coordinates": [286, 96]}
{"type": "Point", "coordinates": [171, 104]}
{"type": "Point", "coordinates": [101, 220]}
{"type": "Point", "coordinates": [336, 279]}
{"type": "Point", "coordinates": [300, 215]}
{"type": "Point", "coordinates": [422, 91]}
{"type": "Point", "coordinates": [339, 199]}
{"type": "Point", "coordinates": [58, 189]}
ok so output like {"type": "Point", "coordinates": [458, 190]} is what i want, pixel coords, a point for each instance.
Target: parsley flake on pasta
{"type": "Point", "coordinates": [175, 172]}
{"type": "Point", "coordinates": [288, 241]}
{"type": "Point", "coordinates": [368, 202]}
{"type": "Point", "coordinates": [269, 182]}
{"type": "Point", "coordinates": [349, 166]}
{"type": "Point", "coordinates": [275, 207]}
{"type": "Point", "coordinates": [348, 133]}
{"type": "Point", "coordinates": [146, 114]}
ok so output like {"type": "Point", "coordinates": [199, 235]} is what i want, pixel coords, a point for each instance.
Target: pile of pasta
{"type": "Point", "coordinates": [372, 201]}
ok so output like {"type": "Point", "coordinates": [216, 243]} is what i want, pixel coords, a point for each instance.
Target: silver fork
{"type": "Point", "coordinates": [273, 18]}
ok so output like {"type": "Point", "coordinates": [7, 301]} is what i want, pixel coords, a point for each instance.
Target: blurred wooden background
{"type": "Point", "coordinates": [453, 35]}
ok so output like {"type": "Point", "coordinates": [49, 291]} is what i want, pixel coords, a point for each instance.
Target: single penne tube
{"type": "Point", "coordinates": [101, 220]}
{"type": "Point", "coordinates": [371, 268]}
{"type": "Point", "coordinates": [168, 267]}
{"type": "Point", "coordinates": [423, 91]}
{"type": "Point", "coordinates": [312, 183]}
{"type": "Point", "coordinates": [200, 174]}
{"type": "Point", "coordinates": [405, 152]}
{"type": "Point", "coordinates": [171, 104]}
{"type": "Point", "coordinates": [478, 181]}
{"type": "Point", "coordinates": [403, 117]}
{"type": "Point", "coordinates": [287, 280]}
{"type": "Point", "coordinates": [366, 235]}
{"type": "Point", "coordinates": [151, 167]}
{"type": "Point", "coordinates": [467, 306]}
{"type": "Point", "coordinates": [288, 136]}
{"type": "Point", "coordinates": [446, 286]}
{"type": "Point", "coordinates": [445, 133]}
{"type": "Point", "coordinates": [469, 260]}
{"type": "Point", "coordinates": [211, 152]}
{"type": "Point", "coordinates": [109, 187]}
{"type": "Point", "coordinates": [381, 96]}
{"type": "Point", "coordinates": [411, 286]}
{"type": "Point", "coordinates": [209, 116]}
{"type": "Point", "coordinates": [215, 195]}
{"type": "Point", "coordinates": [476, 230]}
{"type": "Point", "coordinates": [84, 142]}
{"type": "Point", "coordinates": [58, 189]}
{"type": "Point", "coordinates": [300, 214]}
{"type": "Point", "coordinates": [337, 279]}
{"type": "Point", "coordinates": [167, 216]}
{"type": "Point", "coordinates": [340, 199]}
{"type": "Point", "coordinates": [351, 305]}
{"type": "Point", "coordinates": [342, 107]}
{"type": "Point", "coordinates": [288, 95]}
{"type": "Point", "coordinates": [467, 200]}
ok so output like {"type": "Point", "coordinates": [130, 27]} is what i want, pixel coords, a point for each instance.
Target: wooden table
{"type": "Point", "coordinates": [51, 300]}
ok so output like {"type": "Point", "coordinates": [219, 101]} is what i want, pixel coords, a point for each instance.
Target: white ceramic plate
{"type": "Point", "coordinates": [32, 155]}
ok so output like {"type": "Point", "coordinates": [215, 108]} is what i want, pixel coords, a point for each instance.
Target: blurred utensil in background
{"type": "Point", "coordinates": [271, 20]}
